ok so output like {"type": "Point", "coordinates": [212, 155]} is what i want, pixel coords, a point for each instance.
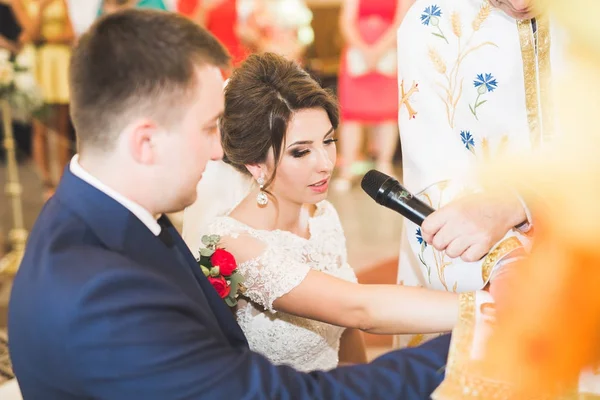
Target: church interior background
{"type": "Point", "coordinates": [373, 232]}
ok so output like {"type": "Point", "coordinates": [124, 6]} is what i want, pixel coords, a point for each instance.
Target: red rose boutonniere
{"type": "Point", "coordinates": [220, 268]}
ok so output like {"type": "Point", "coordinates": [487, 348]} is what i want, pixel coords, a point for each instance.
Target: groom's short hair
{"type": "Point", "coordinates": [136, 63]}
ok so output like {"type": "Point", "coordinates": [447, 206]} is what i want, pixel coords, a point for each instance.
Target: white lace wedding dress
{"type": "Point", "coordinates": [304, 344]}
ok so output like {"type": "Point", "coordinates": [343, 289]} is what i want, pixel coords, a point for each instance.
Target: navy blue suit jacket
{"type": "Point", "coordinates": [103, 309]}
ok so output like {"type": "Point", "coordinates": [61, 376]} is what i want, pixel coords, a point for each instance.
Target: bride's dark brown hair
{"type": "Point", "coordinates": [261, 98]}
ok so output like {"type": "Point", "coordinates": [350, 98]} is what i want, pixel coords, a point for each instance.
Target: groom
{"type": "Point", "coordinates": [109, 303]}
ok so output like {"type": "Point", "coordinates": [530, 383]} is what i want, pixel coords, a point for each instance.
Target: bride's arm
{"type": "Point", "coordinates": [382, 309]}
{"type": "Point", "coordinates": [280, 282]}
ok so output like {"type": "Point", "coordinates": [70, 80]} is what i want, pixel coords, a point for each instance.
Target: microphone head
{"type": "Point", "coordinates": [373, 181]}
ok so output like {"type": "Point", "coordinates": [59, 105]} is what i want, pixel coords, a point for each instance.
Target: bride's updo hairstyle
{"type": "Point", "coordinates": [261, 98]}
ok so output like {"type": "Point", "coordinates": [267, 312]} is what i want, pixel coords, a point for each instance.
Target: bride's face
{"type": "Point", "coordinates": [307, 159]}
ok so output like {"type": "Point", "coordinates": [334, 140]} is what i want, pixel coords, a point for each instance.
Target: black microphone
{"type": "Point", "coordinates": [388, 192]}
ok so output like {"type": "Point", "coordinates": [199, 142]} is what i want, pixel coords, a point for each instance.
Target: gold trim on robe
{"type": "Point", "coordinates": [503, 248]}
{"type": "Point", "coordinates": [531, 80]}
{"type": "Point", "coordinates": [545, 73]}
{"type": "Point", "coordinates": [459, 383]}
{"type": "Point", "coordinates": [464, 379]}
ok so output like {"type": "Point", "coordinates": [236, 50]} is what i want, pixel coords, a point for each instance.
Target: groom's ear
{"type": "Point", "coordinates": [141, 138]}
{"type": "Point", "coordinates": [256, 170]}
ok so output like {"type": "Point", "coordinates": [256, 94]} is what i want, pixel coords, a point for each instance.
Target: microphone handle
{"type": "Point", "coordinates": [408, 206]}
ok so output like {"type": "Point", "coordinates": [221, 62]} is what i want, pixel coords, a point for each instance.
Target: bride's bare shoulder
{"type": "Point", "coordinates": [245, 212]}
{"type": "Point", "coordinates": [244, 247]}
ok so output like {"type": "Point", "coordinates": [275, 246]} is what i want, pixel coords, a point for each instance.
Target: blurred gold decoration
{"type": "Point", "coordinates": [547, 330]}
{"type": "Point", "coordinates": [18, 235]}
{"type": "Point", "coordinates": [20, 99]}
{"type": "Point", "coordinates": [559, 284]}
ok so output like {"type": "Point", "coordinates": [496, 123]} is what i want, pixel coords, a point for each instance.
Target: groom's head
{"type": "Point", "coordinates": [146, 95]}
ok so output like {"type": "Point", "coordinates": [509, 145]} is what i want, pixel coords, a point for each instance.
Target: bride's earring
{"type": "Point", "coordinates": [261, 198]}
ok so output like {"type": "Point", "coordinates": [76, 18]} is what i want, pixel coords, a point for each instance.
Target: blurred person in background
{"type": "Point", "coordinates": [52, 36]}
{"type": "Point", "coordinates": [110, 6]}
{"type": "Point", "coordinates": [255, 26]}
{"type": "Point", "coordinates": [187, 7]}
{"type": "Point", "coordinates": [221, 18]}
{"type": "Point", "coordinates": [277, 26]}
{"type": "Point", "coordinates": [368, 88]}
{"type": "Point", "coordinates": [14, 25]}
{"type": "Point", "coordinates": [83, 14]}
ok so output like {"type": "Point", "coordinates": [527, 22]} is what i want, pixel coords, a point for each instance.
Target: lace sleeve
{"type": "Point", "coordinates": [271, 275]}
{"type": "Point", "coordinates": [270, 264]}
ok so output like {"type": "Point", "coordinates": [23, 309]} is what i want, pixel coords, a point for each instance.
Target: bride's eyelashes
{"type": "Point", "coordinates": [298, 153]}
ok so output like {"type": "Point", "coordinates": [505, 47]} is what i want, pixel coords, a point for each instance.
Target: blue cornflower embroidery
{"type": "Point", "coordinates": [423, 245]}
{"type": "Point", "coordinates": [431, 17]}
{"type": "Point", "coordinates": [488, 80]}
{"type": "Point", "coordinates": [484, 83]}
{"type": "Point", "coordinates": [468, 140]}
{"type": "Point", "coordinates": [431, 11]}
{"type": "Point", "coordinates": [420, 238]}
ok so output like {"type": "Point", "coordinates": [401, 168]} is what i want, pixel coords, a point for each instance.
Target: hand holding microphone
{"type": "Point", "coordinates": [468, 227]}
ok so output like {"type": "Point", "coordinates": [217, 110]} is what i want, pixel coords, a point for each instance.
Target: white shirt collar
{"type": "Point", "coordinates": [137, 210]}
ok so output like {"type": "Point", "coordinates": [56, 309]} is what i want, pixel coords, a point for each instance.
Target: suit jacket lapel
{"type": "Point", "coordinates": [122, 231]}
{"type": "Point", "coordinates": [217, 304]}
{"type": "Point", "coordinates": [147, 249]}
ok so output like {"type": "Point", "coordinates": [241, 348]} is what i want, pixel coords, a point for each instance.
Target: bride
{"type": "Point", "coordinates": [278, 136]}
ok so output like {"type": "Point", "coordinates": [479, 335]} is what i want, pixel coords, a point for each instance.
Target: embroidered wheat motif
{"type": "Point", "coordinates": [456, 25]}
{"type": "Point", "coordinates": [484, 13]}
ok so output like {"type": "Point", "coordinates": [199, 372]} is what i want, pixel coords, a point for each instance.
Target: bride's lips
{"type": "Point", "coordinates": [321, 186]}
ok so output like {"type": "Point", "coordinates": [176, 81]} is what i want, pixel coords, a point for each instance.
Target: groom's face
{"type": "Point", "coordinates": [194, 141]}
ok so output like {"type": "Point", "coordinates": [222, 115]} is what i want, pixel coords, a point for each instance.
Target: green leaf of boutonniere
{"type": "Point", "coordinates": [235, 279]}
{"type": "Point", "coordinates": [206, 252]}
{"type": "Point", "coordinates": [230, 301]}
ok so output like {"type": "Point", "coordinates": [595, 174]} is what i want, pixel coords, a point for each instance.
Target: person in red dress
{"type": "Point", "coordinates": [187, 7]}
{"type": "Point", "coordinates": [368, 83]}
{"type": "Point", "coordinates": [220, 17]}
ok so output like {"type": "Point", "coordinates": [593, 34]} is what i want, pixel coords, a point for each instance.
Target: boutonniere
{"type": "Point", "coordinates": [220, 268]}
